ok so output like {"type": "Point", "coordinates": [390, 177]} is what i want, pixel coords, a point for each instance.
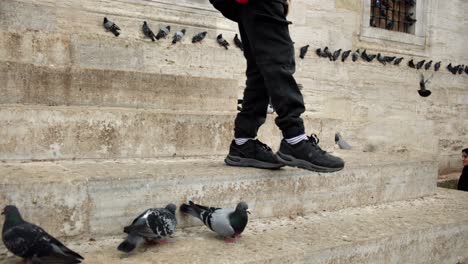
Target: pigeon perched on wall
{"type": "Point", "coordinates": [341, 142]}
{"type": "Point", "coordinates": [326, 53]}
{"type": "Point", "coordinates": [452, 69]}
{"type": "Point", "coordinates": [355, 56]}
{"type": "Point", "coordinates": [154, 224]}
{"type": "Point", "coordinates": [398, 61]}
{"type": "Point", "coordinates": [437, 66]}
{"type": "Point", "coordinates": [466, 69]}
{"type": "Point", "coordinates": [321, 53]}
{"type": "Point", "coordinates": [221, 41]}
{"type": "Point", "coordinates": [32, 243]}
{"type": "Point", "coordinates": [428, 65]}
{"type": "Point", "coordinates": [422, 86]}
{"type": "Point", "coordinates": [420, 64]}
{"type": "Point", "coordinates": [238, 42]}
{"type": "Point", "coordinates": [460, 70]}
{"type": "Point", "coordinates": [367, 57]}
{"type": "Point", "coordinates": [163, 32]}
{"type": "Point", "coordinates": [303, 51]}
{"type": "Point", "coordinates": [111, 26]}
{"type": "Point", "coordinates": [381, 59]}
{"type": "Point", "coordinates": [411, 64]}
{"type": "Point", "coordinates": [345, 55]}
{"type": "Point", "coordinates": [336, 55]}
{"type": "Point", "coordinates": [148, 32]}
{"type": "Point", "coordinates": [229, 223]}
{"type": "Point", "coordinates": [389, 59]}
{"type": "Point", "coordinates": [199, 37]}
{"type": "Point", "coordinates": [178, 36]}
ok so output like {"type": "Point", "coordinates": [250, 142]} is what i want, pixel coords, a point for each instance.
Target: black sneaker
{"type": "Point", "coordinates": [308, 155]}
{"type": "Point", "coordinates": [252, 154]}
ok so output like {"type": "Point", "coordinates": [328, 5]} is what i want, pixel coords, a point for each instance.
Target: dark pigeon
{"type": "Point", "coordinates": [336, 55]}
{"type": "Point", "coordinates": [411, 64]}
{"type": "Point", "coordinates": [422, 86]}
{"type": "Point", "coordinates": [303, 51]}
{"type": "Point", "coordinates": [461, 68]}
{"type": "Point", "coordinates": [398, 61]}
{"type": "Point", "coordinates": [428, 65]}
{"type": "Point", "coordinates": [367, 57]}
{"type": "Point", "coordinates": [148, 32]}
{"type": "Point", "coordinates": [32, 243]}
{"type": "Point", "coordinates": [466, 69]}
{"type": "Point", "coordinates": [238, 42]}
{"type": "Point", "coordinates": [389, 59]}
{"type": "Point", "coordinates": [326, 53]}
{"type": "Point", "coordinates": [199, 37]}
{"type": "Point", "coordinates": [345, 55]}
{"type": "Point", "coordinates": [222, 41]}
{"type": "Point", "coordinates": [154, 224]}
{"type": "Point", "coordinates": [229, 223]}
{"type": "Point", "coordinates": [381, 59]}
{"type": "Point", "coordinates": [420, 64]}
{"type": "Point", "coordinates": [437, 66]}
{"type": "Point", "coordinates": [163, 32]}
{"type": "Point", "coordinates": [111, 26]}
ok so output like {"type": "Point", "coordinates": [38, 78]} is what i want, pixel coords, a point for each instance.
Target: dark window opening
{"type": "Point", "coordinates": [394, 15]}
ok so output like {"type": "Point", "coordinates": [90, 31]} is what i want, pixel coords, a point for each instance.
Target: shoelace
{"type": "Point", "coordinates": [262, 145]}
{"type": "Point", "coordinates": [315, 141]}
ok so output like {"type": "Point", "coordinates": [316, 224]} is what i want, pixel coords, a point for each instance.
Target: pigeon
{"type": "Point", "coordinates": [466, 69]}
{"type": "Point", "coordinates": [32, 243]}
{"type": "Point", "coordinates": [335, 55]}
{"type": "Point", "coordinates": [238, 43]}
{"type": "Point", "coordinates": [199, 37]}
{"type": "Point", "coordinates": [148, 32]}
{"type": "Point", "coordinates": [398, 61]}
{"type": "Point", "coordinates": [389, 59]}
{"type": "Point", "coordinates": [152, 225]}
{"type": "Point", "coordinates": [381, 59]}
{"type": "Point", "coordinates": [460, 70]}
{"type": "Point", "coordinates": [437, 66]}
{"type": "Point", "coordinates": [229, 223]}
{"type": "Point", "coordinates": [303, 51]}
{"type": "Point", "coordinates": [409, 19]}
{"type": "Point", "coordinates": [422, 86]}
{"type": "Point", "coordinates": [355, 56]}
{"type": "Point", "coordinates": [345, 55]}
{"type": "Point", "coordinates": [367, 57]}
{"type": "Point", "coordinates": [411, 64]}
{"type": "Point", "coordinates": [390, 25]}
{"type": "Point", "coordinates": [222, 41]}
{"type": "Point", "coordinates": [163, 32]}
{"type": "Point", "coordinates": [452, 69]}
{"type": "Point", "coordinates": [420, 64]}
{"type": "Point", "coordinates": [341, 142]}
{"type": "Point", "coordinates": [178, 36]}
{"type": "Point", "coordinates": [326, 53]}
{"type": "Point", "coordinates": [428, 65]}
{"type": "Point", "coordinates": [111, 26]}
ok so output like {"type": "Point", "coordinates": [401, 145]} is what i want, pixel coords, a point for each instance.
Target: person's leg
{"type": "Point", "coordinates": [267, 29]}
{"type": "Point", "coordinates": [245, 150]}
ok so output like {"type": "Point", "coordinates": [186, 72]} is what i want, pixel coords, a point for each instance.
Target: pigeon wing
{"type": "Point", "coordinates": [220, 223]}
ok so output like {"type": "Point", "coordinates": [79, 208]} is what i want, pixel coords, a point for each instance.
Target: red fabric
{"type": "Point", "coordinates": [242, 2]}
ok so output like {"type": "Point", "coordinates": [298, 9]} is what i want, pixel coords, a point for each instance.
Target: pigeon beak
{"type": "Point", "coordinates": [248, 211]}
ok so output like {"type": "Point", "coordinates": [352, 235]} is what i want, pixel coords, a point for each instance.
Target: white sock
{"type": "Point", "coordinates": [295, 140]}
{"type": "Point", "coordinates": [241, 141]}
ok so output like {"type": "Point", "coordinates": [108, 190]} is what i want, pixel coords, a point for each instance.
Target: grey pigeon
{"type": "Point", "coordinates": [163, 32]}
{"type": "Point", "coordinates": [222, 41]}
{"type": "Point", "coordinates": [367, 57]}
{"type": "Point", "coordinates": [461, 68]}
{"type": "Point", "coordinates": [355, 56]}
{"type": "Point", "coordinates": [238, 43]}
{"type": "Point", "coordinates": [428, 65]}
{"type": "Point", "coordinates": [319, 52]}
{"type": "Point", "coordinates": [335, 55]}
{"type": "Point", "coordinates": [148, 32]}
{"type": "Point", "coordinates": [326, 53]}
{"type": "Point", "coordinates": [381, 59]}
{"type": "Point", "coordinates": [229, 223]}
{"type": "Point", "coordinates": [154, 224]}
{"type": "Point", "coordinates": [341, 142]}
{"type": "Point", "coordinates": [422, 86]}
{"type": "Point", "coordinates": [437, 66]}
{"type": "Point", "coordinates": [178, 36]}
{"type": "Point", "coordinates": [199, 37]}
{"type": "Point", "coordinates": [303, 51]}
{"type": "Point", "coordinates": [111, 26]}
{"type": "Point", "coordinates": [420, 64]}
{"type": "Point", "coordinates": [398, 61]}
{"type": "Point", "coordinates": [32, 243]}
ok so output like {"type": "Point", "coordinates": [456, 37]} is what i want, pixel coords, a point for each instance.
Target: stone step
{"type": "Point", "coordinates": [33, 132]}
{"type": "Point", "coordinates": [96, 197]}
{"type": "Point", "coordinates": [49, 85]}
{"type": "Point", "coordinates": [429, 230]}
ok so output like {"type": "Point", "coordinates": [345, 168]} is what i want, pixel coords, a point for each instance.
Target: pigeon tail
{"type": "Point", "coordinates": [129, 244]}
{"type": "Point", "coordinates": [193, 209]}
{"type": "Point", "coordinates": [116, 33]}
